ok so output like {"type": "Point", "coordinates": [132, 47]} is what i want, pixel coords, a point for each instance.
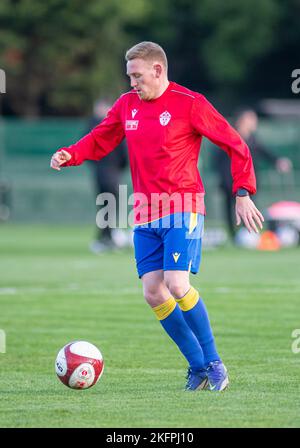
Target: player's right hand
{"type": "Point", "coordinates": [59, 158]}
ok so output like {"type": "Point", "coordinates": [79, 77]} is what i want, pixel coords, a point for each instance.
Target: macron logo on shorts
{"type": "Point", "coordinates": [176, 256]}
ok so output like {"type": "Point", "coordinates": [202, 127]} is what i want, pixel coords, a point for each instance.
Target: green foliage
{"type": "Point", "coordinates": [60, 55]}
{"type": "Point", "coordinates": [239, 32]}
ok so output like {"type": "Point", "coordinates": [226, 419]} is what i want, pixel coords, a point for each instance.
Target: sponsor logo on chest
{"type": "Point", "coordinates": [131, 125]}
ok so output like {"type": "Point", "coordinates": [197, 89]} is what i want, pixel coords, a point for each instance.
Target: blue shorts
{"type": "Point", "coordinates": [172, 243]}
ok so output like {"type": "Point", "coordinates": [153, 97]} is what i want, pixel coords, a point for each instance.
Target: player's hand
{"type": "Point", "coordinates": [59, 158]}
{"type": "Point", "coordinates": [246, 211]}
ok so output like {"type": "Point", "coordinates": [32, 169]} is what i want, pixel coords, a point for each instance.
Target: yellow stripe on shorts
{"type": "Point", "coordinates": [193, 221]}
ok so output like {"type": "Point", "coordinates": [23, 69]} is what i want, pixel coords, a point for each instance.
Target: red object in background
{"type": "Point", "coordinates": [268, 241]}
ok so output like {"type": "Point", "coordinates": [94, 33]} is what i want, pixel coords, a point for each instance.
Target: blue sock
{"type": "Point", "coordinates": [173, 322]}
{"type": "Point", "coordinates": [196, 316]}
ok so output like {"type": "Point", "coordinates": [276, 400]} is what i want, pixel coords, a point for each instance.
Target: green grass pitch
{"type": "Point", "coordinates": [53, 290]}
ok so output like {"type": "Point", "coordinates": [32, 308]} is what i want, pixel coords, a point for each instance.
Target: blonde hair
{"type": "Point", "coordinates": [148, 51]}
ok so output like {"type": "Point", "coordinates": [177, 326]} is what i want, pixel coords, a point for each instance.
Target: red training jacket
{"type": "Point", "coordinates": [164, 138]}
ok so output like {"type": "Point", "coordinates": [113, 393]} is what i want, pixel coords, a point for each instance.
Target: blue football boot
{"type": "Point", "coordinates": [196, 380]}
{"type": "Point", "coordinates": [217, 376]}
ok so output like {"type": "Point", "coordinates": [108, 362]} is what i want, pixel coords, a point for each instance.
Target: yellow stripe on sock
{"type": "Point", "coordinates": [188, 301]}
{"type": "Point", "coordinates": [165, 309]}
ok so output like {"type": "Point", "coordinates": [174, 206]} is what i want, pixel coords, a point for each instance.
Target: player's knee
{"type": "Point", "coordinates": [153, 296]}
{"type": "Point", "coordinates": [153, 299]}
{"type": "Point", "coordinates": [178, 290]}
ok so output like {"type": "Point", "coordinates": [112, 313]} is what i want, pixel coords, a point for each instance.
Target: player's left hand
{"type": "Point", "coordinates": [246, 211]}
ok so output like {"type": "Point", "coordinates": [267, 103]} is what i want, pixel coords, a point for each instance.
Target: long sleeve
{"type": "Point", "coordinates": [103, 139]}
{"type": "Point", "coordinates": [210, 123]}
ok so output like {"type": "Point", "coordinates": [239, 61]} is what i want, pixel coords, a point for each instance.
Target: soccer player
{"type": "Point", "coordinates": [164, 123]}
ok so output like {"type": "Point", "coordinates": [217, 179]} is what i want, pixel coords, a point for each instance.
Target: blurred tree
{"type": "Point", "coordinates": [60, 55]}
{"type": "Point", "coordinates": [283, 57]}
{"type": "Point", "coordinates": [237, 34]}
{"type": "Point", "coordinates": [214, 45]}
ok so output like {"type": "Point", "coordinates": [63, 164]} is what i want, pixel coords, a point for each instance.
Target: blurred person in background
{"type": "Point", "coordinates": [107, 175]}
{"type": "Point", "coordinates": [246, 124]}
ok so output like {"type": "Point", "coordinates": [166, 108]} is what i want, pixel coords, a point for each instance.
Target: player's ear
{"type": "Point", "coordinates": [158, 70]}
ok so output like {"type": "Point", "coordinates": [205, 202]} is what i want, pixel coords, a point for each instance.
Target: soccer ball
{"type": "Point", "coordinates": [79, 365]}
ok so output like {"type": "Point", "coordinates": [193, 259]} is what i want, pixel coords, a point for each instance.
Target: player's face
{"type": "Point", "coordinates": [144, 78]}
